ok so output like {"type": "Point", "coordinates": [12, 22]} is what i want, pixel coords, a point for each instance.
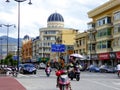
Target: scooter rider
{"type": "Point", "coordinates": [73, 65]}
{"type": "Point", "coordinates": [118, 68]}
{"type": "Point", "coordinates": [48, 67]}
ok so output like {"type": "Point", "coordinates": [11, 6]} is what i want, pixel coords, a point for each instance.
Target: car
{"type": "Point", "coordinates": [28, 68]}
{"type": "Point", "coordinates": [42, 66]}
{"type": "Point", "coordinates": [107, 69]}
{"type": "Point", "coordinates": [93, 68]}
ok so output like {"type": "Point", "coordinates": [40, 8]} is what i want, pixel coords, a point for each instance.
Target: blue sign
{"type": "Point", "coordinates": [15, 57]}
{"type": "Point", "coordinates": [58, 48]}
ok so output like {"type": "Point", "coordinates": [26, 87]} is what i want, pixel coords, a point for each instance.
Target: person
{"type": "Point", "coordinates": [118, 69]}
{"type": "Point", "coordinates": [60, 69]}
{"type": "Point", "coordinates": [48, 67]}
{"type": "Point", "coordinates": [118, 66]}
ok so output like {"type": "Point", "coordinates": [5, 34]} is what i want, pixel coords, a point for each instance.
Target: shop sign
{"type": "Point", "coordinates": [118, 55]}
{"type": "Point", "coordinates": [104, 56]}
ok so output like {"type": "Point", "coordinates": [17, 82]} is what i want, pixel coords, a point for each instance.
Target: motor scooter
{"type": "Point", "coordinates": [74, 73]}
{"type": "Point", "coordinates": [64, 81]}
{"type": "Point", "coordinates": [48, 71]}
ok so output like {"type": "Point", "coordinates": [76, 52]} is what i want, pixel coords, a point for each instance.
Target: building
{"type": "Point", "coordinates": [104, 33]}
{"type": "Point", "coordinates": [35, 49]}
{"type": "Point", "coordinates": [26, 49]}
{"type": "Point", "coordinates": [49, 35]}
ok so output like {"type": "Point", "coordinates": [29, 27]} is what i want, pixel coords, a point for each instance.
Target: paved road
{"type": "Point", "coordinates": [89, 81]}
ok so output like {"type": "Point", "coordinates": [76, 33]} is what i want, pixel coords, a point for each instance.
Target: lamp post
{"type": "Point", "coordinates": [19, 1]}
{"type": "Point", "coordinates": [1, 47]}
{"type": "Point", "coordinates": [7, 25]}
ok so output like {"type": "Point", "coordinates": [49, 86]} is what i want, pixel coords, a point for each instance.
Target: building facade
{"type": "Point", "coordinates": [26, 49]}
{"type": "Point", "coordinates": [49, 35]}
{"type": "Point", "coordinates": [104, 33]}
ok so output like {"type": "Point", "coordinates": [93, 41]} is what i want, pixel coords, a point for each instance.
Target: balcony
{"type": "Point", "coordinates": [109, 37]}
{"type": "Point", "coordinates": [91, 41]}
{"type": "Point", "coordinates": [104, 50]}
{"type": "Point", "coordinates": [104, 26]}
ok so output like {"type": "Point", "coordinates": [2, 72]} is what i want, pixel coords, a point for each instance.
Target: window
{"type": "Point", "coordinates": [50, 32]}
{"type": "Point", "coordinates": [117, 16]}
{"type": "Point", "coordinates": [116, 29]}
{"type": "Point", "coordinates": [102, 21]}
{"type": "Point", "coordinates": [104, 44]}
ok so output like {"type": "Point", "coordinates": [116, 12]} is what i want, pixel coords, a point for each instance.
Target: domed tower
{"type": "Point", "coordinates": [26, 37]}
{"type": "Point", "coordinates": [55, 20]}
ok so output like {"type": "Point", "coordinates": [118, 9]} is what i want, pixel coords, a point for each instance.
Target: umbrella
{"type": "Point", "coordinates": [77, 55]}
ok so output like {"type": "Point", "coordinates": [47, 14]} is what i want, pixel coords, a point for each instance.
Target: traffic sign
{"type": "Point", "coordinates": [58, 48]}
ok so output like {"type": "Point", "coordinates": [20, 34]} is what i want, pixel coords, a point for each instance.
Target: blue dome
{"type": "Point", "coordinates": [26, 37]}
{"type": "Point", "coordinates": [55, 17]}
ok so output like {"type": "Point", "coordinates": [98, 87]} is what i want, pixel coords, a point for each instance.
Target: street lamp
{"type": "Point", "coordinates": [19, 1]}
{"type": "Point", "coordinates": [7, 25]}
{"type": "Point", "coordinates": [1, 47]}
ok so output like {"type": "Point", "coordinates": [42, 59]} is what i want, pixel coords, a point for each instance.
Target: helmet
{"type": "Point", "coordinates": [58, 73]}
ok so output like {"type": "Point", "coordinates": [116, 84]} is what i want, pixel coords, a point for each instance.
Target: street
{"type": "Point", "coordinates": [88, 81]}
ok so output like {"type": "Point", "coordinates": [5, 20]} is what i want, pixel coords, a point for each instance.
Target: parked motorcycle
{"type": "Point", "coordinates": [74, 73]}
{"type": "Point", "coordinates": [12, 72]}
{"type": "Point", "coordinates": [63, 81]}
{"type": "Point", "coordinates": [48, 71]}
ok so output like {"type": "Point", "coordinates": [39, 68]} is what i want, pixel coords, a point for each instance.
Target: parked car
{"type": "Point", "coordinates": [42, 66]}
{"type": "Point", "coordinates": [28, 68]}
{"type": "Point", "coordinates": [107, 69]}
{"type": "Point", "coordinates": [93, 68]}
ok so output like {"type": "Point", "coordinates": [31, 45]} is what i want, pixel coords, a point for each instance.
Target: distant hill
{"type": "Point", "coordinates": [10, 40]}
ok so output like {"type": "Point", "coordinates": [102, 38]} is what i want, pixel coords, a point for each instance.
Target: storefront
{"type": "Point", "coordinates": [94, 58]}
{"type": "Point", "coordinates": [104, 58]}
{"type": "Point", "coordinates": [113, 58]}
{"type": "Point", "coordinates": [118, 56]}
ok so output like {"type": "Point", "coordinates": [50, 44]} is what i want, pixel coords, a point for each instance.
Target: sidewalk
{"type": "Point", "coordinates": [9, 83]}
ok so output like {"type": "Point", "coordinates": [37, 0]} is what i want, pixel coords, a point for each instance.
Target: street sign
{"type": "Point", "coordinates": [58, 48]}
{"type": "Point", "coordinates": [15, 57]}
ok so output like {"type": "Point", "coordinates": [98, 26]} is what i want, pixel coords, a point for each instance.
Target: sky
{"type": "Point", "coordinates": [33, 17]}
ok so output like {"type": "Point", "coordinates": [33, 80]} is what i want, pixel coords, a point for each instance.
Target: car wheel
{"type": "Point", "coordinates": [101, 71]}
{"type": "Point", "coordinates": [34, 72]}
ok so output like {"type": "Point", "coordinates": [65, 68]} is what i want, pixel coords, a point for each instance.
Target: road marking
{"type": "Point", "coordinates": [116, 83]}
{"type": "Point", "coordinates": [103, 84]}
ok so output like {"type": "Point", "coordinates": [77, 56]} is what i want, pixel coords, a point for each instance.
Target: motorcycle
{"type": "Point", "coordinates": [48, 71]}
{"type": "Point", "coordinates": [74, 73]}
{"type": "Point", "coordinates": [12, 72]}
{"type": "Point", "coordinates": [64, 82]}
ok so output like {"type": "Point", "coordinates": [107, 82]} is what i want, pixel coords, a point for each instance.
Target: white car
{"type": "Point", "coordinates": [42, 66]}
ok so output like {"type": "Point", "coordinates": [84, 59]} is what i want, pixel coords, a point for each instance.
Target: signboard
{"type": "Point", "coordinates": [58, 48]}
{"type": "Point", "coordinates": [43, 59]}
{"type": "Point", "coordinates": [15, 57]}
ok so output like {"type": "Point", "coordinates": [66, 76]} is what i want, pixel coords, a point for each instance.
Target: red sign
{"type": "Point", "coordinates": [104, 56]}
{"type": "Point", "coordinates": [118, 55]}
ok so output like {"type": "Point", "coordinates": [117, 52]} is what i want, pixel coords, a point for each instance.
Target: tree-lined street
{"type": "Point", "coordinates": [89, 81]}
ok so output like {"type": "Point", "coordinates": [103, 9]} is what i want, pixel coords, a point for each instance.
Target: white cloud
{"type": "Point", "coordinates": [35, 16]}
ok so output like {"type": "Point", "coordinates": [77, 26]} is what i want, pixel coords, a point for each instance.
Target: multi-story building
{"type": "Point", "coordinates": [81, 43]}
{"type": "Point", "coordinates": [49, 35]}
{"type": "Point", "coordinates": [104, 33]}
{"type": "Point", "coordinates": [26, 49]}
{"type": "Point", "coordinates": [35, 49]}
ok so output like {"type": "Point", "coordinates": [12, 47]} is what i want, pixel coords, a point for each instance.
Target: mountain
{"type": "Point", "coordinates": [10, 40]}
